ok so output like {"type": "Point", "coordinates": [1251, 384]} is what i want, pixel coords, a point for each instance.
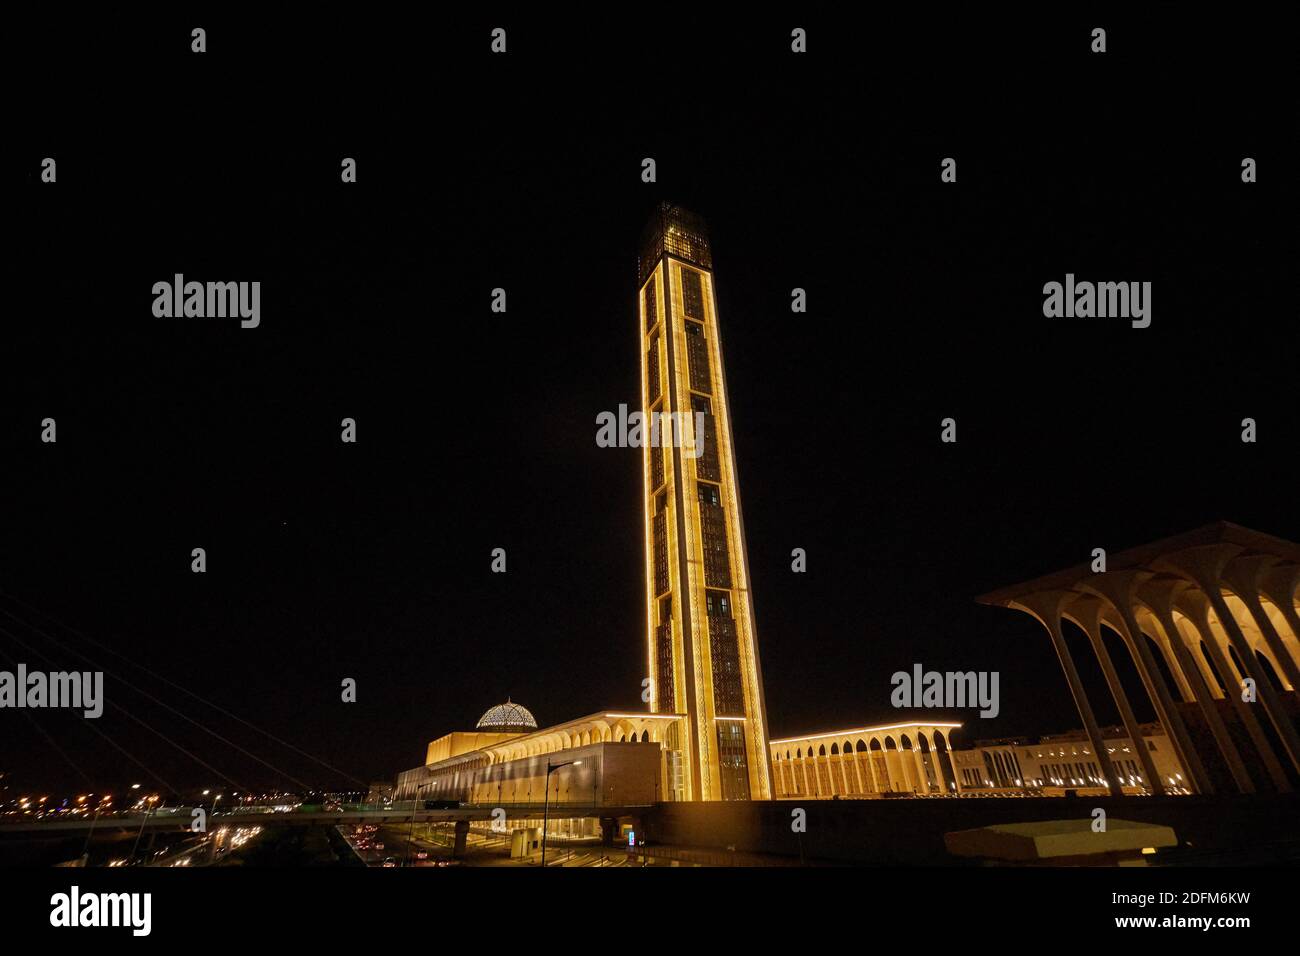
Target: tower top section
{"type": "Point", "coordinates": [676, 231]}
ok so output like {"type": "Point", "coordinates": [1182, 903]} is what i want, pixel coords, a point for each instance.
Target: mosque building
{"type": "Point", "coordinates": [1209, 619]}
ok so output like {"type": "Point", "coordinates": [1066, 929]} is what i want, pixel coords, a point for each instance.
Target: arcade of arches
{"type": "Point", "coordinates": [1211, 622]}
{"type": "Point", "coordinates": [894, 758]}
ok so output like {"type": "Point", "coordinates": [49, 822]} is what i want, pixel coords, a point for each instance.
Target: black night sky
{"type": "Point", "coordinates": [477, 430]}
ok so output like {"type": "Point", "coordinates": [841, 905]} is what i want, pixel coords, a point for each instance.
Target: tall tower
{"type": "Point", "coordinates": [703, 653]}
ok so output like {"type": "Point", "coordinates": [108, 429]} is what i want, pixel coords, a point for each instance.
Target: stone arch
{"type": "Point", "coordinates": [1169, 671]}
{"type": "Point", "coordinates": [943, 759]}
{"type": "Point", "coordinates": [1268, 667]}
{"type": "Point", "coordinates": [1280, 624]}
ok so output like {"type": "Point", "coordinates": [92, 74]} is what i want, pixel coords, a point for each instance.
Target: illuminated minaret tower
{"type": "Point", "coordinates": [703, 652]}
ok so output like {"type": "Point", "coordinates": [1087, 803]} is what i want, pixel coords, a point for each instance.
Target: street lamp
{"type": "Point", "coordinates": [546, 802]}
{"type": "Point", "coordinates": [143, 821]}
{"type": "Point", "coordinates": [410, 838]}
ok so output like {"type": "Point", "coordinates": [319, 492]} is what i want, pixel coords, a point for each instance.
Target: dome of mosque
{"type": "Point", "coordinates": [506, 718]}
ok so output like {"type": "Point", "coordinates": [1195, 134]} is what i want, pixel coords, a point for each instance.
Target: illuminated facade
{"type": "Point", "coordinates": [1059, 762]}
{"type": "Point", "coordinates": [606, 759]}
{"type": "Point", "coordinates": [702, 649]}
{"type": "Point", "coordinates": [912, 758]}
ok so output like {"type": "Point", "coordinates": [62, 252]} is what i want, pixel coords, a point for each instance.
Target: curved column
{"type": "Point", "coordinates": [1263, 650]}
{"type": "Point", "coordinates": [1046, 607]}
{"type": "Point", "coordinates": [1244, 575]}
{"type": "Point", "coordinates": [922, 778]}
{"type": "Point", "coordinates": [1196, 608]}
{"type": "Point", "coordinates": [1279, 585]}
{"type": "Point", "coordinates": [952, 765]}
{"type": "Point", "coordinates": [938, 763]}
{"type": "Point", "coordinates": [1158, 597]}
{"type": "Point", "coordinates": [1211, 679]}
{"type": "Point", "coordinates": [1117, 587]}
{"type": "Point", "coordinates": [1225, 646]}
{"type": "Point", "coordinates": [1204, 565]}
{"type": "Point", "coordinates": [1087, 612]}
{"type": "Point", "coordinates": [906, 767]}
{"type": "Point", "coordinates": [892, 768]}
{"type": "Point", "coordinates": [1173, 662]}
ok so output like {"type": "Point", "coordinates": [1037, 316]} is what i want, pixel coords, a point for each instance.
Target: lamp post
{"type": "Point", "coordinates": [143, 821]}
{"type": "Point", "coordinates": [546, 802]}
{"type": "Point", "coordinates": [85, 850]}
{"type": "Point", "coordinates": [410, 839]}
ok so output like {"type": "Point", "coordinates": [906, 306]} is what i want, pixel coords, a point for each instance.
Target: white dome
{"type": "Point", "coordinates": [507, 717]}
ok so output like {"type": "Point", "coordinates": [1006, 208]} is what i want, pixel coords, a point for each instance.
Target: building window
{"type": "Point", "coordinates": [724, 656]}
{"type": "Point", "coordinates": [656, 453]}
{"type": "Point", "coordinates": [661, 546]}
{"type": "Point", "coordinates": [713, 537]}
{"type": "Point", "coordinates": [732, 765]}
{"type": "Point", "coordinates": [697, 358]}
{"type": "Point", "coordinates": [692, 294]}
{"type": "Point", "coordinates": [706, 465]}
{"type": "Point", "coordinates": [652, 374]}
{"type": "Point", "coordinates": [665, 694]}
{"type": "Point", "coordinates": [651, 303]}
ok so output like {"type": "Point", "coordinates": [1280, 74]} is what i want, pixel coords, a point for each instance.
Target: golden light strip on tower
{"type": "Point", "coordinates": [658, 335]}
{"type": "Point", "coordinates": [652, 611]}
{"type": "Point", "coordinates": [746, 639]}
{"type": "Point", "coordinates": [703, 710]}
